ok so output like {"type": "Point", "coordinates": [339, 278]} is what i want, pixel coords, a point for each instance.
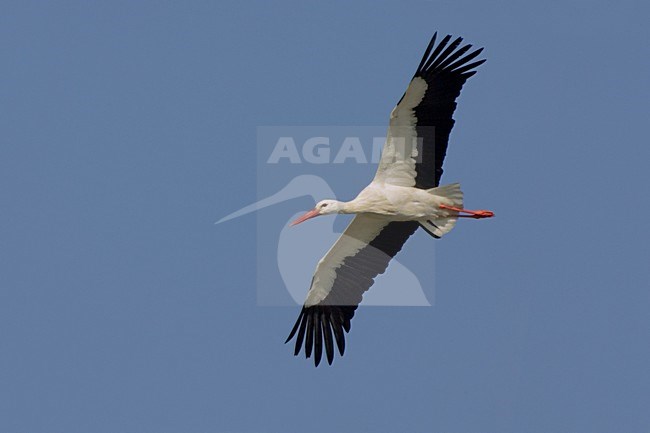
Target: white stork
{"type": "Point", "coordinates": [403, 196]}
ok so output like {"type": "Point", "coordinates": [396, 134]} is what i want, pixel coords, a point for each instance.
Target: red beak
{"type": "Point", "coordinates": [312, 213]}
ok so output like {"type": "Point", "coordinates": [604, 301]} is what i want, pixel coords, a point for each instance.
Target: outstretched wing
{"type": "Point", "coordinates": [342, 276]}
{"type": "Point", "coordinates": [416, 143]}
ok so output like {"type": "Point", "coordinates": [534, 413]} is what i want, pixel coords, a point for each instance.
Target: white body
{"type": "Point", "coordinates": [405, 203]}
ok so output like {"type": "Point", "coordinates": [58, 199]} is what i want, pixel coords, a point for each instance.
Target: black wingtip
{"type": "Point", "coordinates": [318, 340]}
{"type": "Point", "coordinates": [317, 329]}
{"type": "Point", "coordinates": [295, 327]}
{"type": "Point", "coordinates": [426, 53]}
{"type": "Point", "coordinates": [436, 51]}
{"type": "Point", "coordinates": [462, 61]}
{"type": "Point", "coordinates": [327, 338]}
{"type": "Point", "coordinates": [448, 58]}
{"type": "Point", "coordinates": [309, 337]}
{"type": "Point", "coordinates": [465, 69]}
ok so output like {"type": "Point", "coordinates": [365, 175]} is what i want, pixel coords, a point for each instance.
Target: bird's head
{"type": "Point", "coordinates": [324, 207]}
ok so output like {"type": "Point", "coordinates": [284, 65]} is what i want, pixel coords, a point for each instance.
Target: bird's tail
{"type": "Point", "coordinates": [451, 195]}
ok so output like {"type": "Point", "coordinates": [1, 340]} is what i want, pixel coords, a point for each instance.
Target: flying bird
{"type": "Point", "coordinates": [403, 196]}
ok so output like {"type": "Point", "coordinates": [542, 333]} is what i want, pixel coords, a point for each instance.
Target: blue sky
{"type": "Point", "coordinates": [128, 128]}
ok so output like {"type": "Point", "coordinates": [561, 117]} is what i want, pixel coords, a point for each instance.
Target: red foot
{"type": "Point", "coordinates": [477, 214]}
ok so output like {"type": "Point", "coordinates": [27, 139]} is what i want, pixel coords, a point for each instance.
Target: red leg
{"type": "Point", "coordinates": [472, 213]}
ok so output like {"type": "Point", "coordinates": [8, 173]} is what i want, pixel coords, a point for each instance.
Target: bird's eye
{"type": "Point", "coordinates": [323, 205]}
